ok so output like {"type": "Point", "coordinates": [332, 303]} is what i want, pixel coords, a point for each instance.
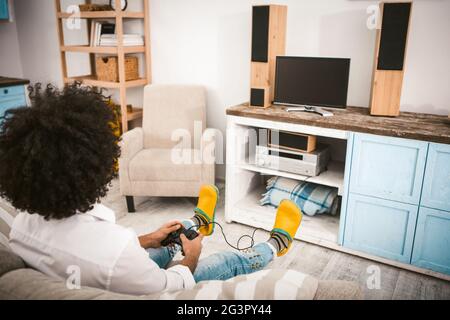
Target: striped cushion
{"type": "Point", "coordinates": [7, 214]}
{"type": "Point", "coordinates": [271, 284]}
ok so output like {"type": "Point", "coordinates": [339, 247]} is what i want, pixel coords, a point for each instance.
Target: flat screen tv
{"type": "Point", "coordinates": [312, 81]}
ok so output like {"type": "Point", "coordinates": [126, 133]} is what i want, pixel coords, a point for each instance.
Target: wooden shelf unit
{"type": "Point", "coordinates": [104, 15]}
{"type": "Point", "coordinates": [122, 85]}
{"type": "Point", "coordinates": [92, 81]}
{"type": "Point", "coordinates": [135, 114]}
{"type": "Point", "coordinates": [103, 50]}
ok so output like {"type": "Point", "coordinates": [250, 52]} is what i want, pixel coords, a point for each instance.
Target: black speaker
{"type": "Point", "coordinates": [257, 97]}
{"type": "Point", "coordinates": [260, 34]}
{"type": "Point", "coordinates": [268, 42]}
{"type": "Point", "coordinates": [393, 36]}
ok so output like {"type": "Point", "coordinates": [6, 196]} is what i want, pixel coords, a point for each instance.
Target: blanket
{"type": "Point", "coordinates": [272, 284]}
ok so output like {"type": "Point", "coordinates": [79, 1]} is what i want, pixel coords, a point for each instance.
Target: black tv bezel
{"type": "Point", "coordinates": [278, 58]}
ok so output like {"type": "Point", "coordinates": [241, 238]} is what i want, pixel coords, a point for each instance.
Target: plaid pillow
{"type": "Point", "coordinates": [311, 198]}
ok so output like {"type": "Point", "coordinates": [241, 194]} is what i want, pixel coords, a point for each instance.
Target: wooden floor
{"type": "Point", "coordinates": [311, 259]}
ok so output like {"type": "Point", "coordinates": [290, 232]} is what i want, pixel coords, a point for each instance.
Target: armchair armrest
{"type": "Point", "coordinates": [208, 152]}
{"type": "Point", "coordinates": [208, 147]}
{"type": "Point", "coordinates": [132, 142]}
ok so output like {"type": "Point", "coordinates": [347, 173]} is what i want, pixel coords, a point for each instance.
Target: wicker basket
{"type": "Point", "coordinates": [94, 7]}
{"type": "Point", "coordinates": [108, 70]}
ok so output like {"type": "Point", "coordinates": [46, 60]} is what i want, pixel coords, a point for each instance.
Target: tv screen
{"type": "Point", "coordinates": [312, 81]}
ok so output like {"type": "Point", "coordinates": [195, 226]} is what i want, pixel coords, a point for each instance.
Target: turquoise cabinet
{"type": "Point", "coordinates": [398, 204]}
{"type": "Point", "coordinates": [388, 168]}
{"type": "Point", "coordinates": [432, 240]}
{"type": "Point", "coordinates": [12, 97]}
{"type": "Point", "coordinates": [380, 227]}
{"type": "Point", "coordinates": [436, 185]}
{"type": "Point", "coordinates": [4, 10]}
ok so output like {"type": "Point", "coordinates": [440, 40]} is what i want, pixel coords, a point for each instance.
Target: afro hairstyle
{"type": "Point", "coordinates": [57, 157]}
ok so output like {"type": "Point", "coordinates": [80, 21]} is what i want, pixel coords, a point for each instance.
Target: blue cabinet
{"type": "Point", "coordinates": [380, 227]}
{"type": "Point", "coordinates": [12, 97]}
{"type": "Point", "coordinates": [432, 240]}
{"type": "Point", "coordinates": [4, 10]}
{"type": "Point", "coordinates": [436, 185]}
{"type": "Point", "coordinates": [388, 168]}
{"type": "Point", "coordinates": [398, 204]}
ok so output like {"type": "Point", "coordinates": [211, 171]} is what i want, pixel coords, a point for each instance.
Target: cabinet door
{"type": "Point", "coordinates": [388, 168]}
{"type": "Point", "coordinates": [10, 92]}
{"type": "Point", "coordinates": [432, 241]}
{"type": "Point", "coordinates": [11, 104]}
{"type": "Point", "coordinates": [12, 97]}
{"type": "Point", "coordinates": [380, 227]}
{"type": "Point", "coordinates": [4, 11]}
{"type": "Point", "coordinates": [436, 186]}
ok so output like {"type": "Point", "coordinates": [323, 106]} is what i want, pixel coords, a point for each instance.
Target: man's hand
{"type": "Point", "coordinates": [192, 250]}
{"type": "Point", "coordinates": [153, 240]}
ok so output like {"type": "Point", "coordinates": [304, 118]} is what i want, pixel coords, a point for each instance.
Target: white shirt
{"type": "Point", "coordinates": [108, 256]}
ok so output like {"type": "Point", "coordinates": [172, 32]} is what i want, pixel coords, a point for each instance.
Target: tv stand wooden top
{"type": "Point", "coordinates": [418, 126]}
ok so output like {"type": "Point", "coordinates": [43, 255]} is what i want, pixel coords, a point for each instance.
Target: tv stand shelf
{"type": "Point", "coordinates": [245, 181]}
{"type": "Point", "coordinates": [333, 177]}
{"type": "Point", "coordinates": [318, 229]}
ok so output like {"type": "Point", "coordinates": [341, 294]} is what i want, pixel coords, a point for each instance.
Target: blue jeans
{"type": "Point", "coordinates": [222, 265]}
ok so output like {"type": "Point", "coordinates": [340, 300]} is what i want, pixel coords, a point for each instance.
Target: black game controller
{"type": "Point", "coordinates": [174, 237]}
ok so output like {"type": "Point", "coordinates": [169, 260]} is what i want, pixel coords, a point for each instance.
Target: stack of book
{"type": "Point", "coordinates": [99, 28]}
{"type": "Point", "coordinates": [129, 40]}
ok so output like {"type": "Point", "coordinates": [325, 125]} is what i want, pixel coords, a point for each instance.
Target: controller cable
{"type": "Point", "coordinates": [251, 237]}
{"type": "Point", "coordinates": [237, 246]}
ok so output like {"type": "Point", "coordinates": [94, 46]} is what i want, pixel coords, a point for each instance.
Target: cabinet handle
{"type": "Point", "coordinates": [5, 91]}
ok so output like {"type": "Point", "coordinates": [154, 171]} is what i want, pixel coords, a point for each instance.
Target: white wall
{"type": "Point", "coordinates": [10, 65]}
{"type": "Point", "coordinates": [208, 42]}
{"type": "Point", "coordinates": [38, 41]}
{"type": "Point", "coordinates": [427, 76]}
{"type": "Point", "coordinates": [39, 46]}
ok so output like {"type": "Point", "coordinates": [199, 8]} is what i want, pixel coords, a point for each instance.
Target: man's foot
{"type": "Point", "coordinates": [205, 211]}
{"type": "Point", "coordinates": [287, 221]}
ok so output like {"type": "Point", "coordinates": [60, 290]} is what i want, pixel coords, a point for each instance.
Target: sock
{"type": "Point", "coordinates": [274, 250]}
{"type": "Point", "coordinates": [198, 221]}
{"type": "Point", "coordinates": [278, 241]}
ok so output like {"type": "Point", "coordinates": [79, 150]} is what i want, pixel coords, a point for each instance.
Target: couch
{"type": "Point", "coordinates": [17, 281]}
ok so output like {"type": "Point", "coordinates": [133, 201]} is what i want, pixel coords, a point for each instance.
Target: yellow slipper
{"type": "Point", "coordinates": [287, 221]}
{"type": "Point", "coordinates": [206, 208]}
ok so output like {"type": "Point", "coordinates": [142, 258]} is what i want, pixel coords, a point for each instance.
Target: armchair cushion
{"type": "Point", "coordinates": [172, 107]}
{"type": "Point", "coordinates": [158, 165]}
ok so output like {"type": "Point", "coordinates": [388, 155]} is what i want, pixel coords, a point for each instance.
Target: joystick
{"type": "Point", "coordinates": [174, 237]}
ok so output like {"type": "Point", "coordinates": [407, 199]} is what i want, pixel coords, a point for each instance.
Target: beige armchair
{"type": "Point", "coordinates": [170, 155]}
